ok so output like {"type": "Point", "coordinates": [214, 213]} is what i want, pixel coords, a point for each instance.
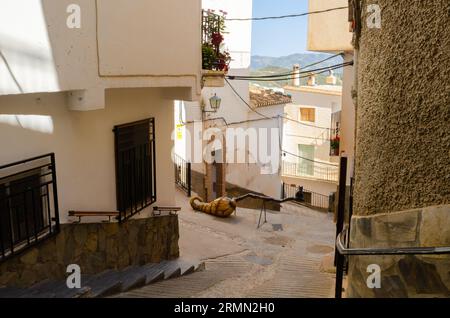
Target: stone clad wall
{"type": "Point", "coordinates": [402, 276]}
{"type": "Point", "coordinates": [95, 247]}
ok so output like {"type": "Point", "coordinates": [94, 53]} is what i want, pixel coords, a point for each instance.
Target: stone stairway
{"type": "Point", "coordinates": [109, 282]}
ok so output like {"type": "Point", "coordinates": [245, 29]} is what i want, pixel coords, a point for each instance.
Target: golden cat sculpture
{"type": "Point", "coordinates": [221, 207]}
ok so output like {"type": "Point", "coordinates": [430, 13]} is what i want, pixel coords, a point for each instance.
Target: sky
{"type": "Point", "coordinates": [279, 37]}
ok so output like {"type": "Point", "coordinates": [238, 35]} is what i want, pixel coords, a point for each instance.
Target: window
{"type": "Point", "coordinates": [135, 167]}
{"type": "Point", "coordinates": [308, 114]}
{"type": "Point", "coordinates": [306, 162]}
{"type": "Point", "coordinates": [28, 204]}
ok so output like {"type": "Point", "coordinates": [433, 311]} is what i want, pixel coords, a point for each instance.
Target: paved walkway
{"type": "Point", "coordinates": [281, 259]}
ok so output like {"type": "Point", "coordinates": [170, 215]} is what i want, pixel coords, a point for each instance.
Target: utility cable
{"type": "Point", "coordinates": [301, 68]}
{"type": "Point", "coordinates": [269, 78]}
{"type": "Point", "coordinates": [286, 16]}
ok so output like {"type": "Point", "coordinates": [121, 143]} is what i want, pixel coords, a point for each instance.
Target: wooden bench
{"type": "Point", "coordinates": [80, 214]}
{"type": "Point", "coordinates": [171, 209]}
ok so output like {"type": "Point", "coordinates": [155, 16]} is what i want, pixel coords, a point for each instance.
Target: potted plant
{"type": "Point", "coordinates": [334, 145]}
{"type": "Point", "coordinates": [214, 56]}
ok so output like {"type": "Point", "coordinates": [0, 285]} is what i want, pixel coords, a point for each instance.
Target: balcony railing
{"type": "Point", "coordinates": [310, 169]}
{"type": "Point", "coordinates": [214, 57]}
{"type": "Point", "coordinates": [28, 204]}
{"type": "Point", "coordinates": [313, 199]}
{"type": "Point", "coordinates": [182, 174]}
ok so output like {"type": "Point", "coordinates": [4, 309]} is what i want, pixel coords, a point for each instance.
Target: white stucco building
{"type": "Point", "coordinates": [308, 160]}
{"type": "Point", "coordinates": [64, 89]}
{"type": "Point", "coordinates": [329, 33]}
{"type": "Point", "coordinates": [217, 179]}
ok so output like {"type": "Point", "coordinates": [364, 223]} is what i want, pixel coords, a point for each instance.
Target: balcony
{"type": "Point", "coordinates": [215, 59]}
{"type": "Point", "coordinates": [311, 170]}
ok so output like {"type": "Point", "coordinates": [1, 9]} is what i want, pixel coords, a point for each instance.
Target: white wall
{"type": "Point", "coordinates": [120, 44]}
{"type": "Point", "coordinates": [264, 176]}
{"type": "Point", "coordinates": [329, 31]}
{"type": "Point", "coordinates": [316, 133]}
{"type": "Point", "coordinates": [84, 142]}
{"type": "Point", "coordinates": [295, 133]}
{"type": "Point", "coordinates": [239, 33]}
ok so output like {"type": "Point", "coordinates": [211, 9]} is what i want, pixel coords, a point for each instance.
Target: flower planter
{"type": "Point", "coordinates": [334, 152]}
{"type": "Point", "coordinates": [213, 78]}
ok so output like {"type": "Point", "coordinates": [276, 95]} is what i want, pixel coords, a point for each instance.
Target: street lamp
{"type": "Point", "coordinates": [215, 102]}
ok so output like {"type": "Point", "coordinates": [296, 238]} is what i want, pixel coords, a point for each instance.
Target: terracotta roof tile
{"type": "Point", "coordinates": [263, 98]}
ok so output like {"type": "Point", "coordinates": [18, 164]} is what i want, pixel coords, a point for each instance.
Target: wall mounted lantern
{"type": "Point", "coordinates": [215, 102]}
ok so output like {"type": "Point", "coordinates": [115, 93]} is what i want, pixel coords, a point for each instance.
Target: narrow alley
{"type": "Point", "coordinates": [286, 257]}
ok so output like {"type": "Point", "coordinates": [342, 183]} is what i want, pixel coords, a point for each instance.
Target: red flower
{"type": "Point", "coordinates": [216, 39]}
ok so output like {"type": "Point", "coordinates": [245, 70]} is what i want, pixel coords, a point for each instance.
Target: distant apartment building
{"type": "Point", "coordinates": [86, 116]}
{"type": "Point", "coordinates": [329, 33]}
{"type": "Point", "coordinates": [312, 123]}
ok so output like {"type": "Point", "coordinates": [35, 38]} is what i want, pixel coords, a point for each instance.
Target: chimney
{"type": "Point", "coordinates": [296, 75]}
{"type": "Point", "coordinates": [331, 79]}
{"type": "Point", "coordinates": [312, 79]}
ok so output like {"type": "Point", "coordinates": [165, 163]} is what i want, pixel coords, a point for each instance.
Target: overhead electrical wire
{"type": "Point", "coordinates": [266, 117]}
{"type": "Point", "coordinates": [243, 100]}
{"type": "Point", "coordinates": [279, 116]}
{"type": "Point", "coordinates": [286, 16]}
{"type": "Point", "coordinates": [290, 76]}
{"type": "Point", "coordinates": [321, 61]}
{"type": "Point", "coordinates": [294, 73]}
{"type": "Point", "coordinates": [290, 73]}
{"type": "Point", "coordinates": [278, 77]}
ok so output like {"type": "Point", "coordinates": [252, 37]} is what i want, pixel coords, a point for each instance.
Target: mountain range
{"type": "Point", "coordinates": [259, 62]}
{"type": "Point", "coordinates": [266, 65]}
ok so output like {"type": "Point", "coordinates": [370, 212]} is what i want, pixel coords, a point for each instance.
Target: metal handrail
{"type": "Point", "coordinates": [340, 245]}
{"type": "Point", "coordinates": [265, 199]}
{"type": "Point", "coordinates": [342, 252]}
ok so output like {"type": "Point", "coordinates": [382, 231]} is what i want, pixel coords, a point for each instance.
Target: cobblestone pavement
{"type": "Point", "coordinates": [283, 258]}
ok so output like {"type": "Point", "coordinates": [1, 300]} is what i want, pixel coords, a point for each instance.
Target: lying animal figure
{"type": "Point", "coordinates": [221, 207]}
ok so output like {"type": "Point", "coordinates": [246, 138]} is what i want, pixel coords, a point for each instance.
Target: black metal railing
{"type": "Point", "coordinates": [310, 198]}
{"type": "Point", "coordinates": [135, 167]}
{"type": "Point", "coordinates": [28, 204]}
{"type": "Point", "coordinates": [213, 55]}
{"type": "Point", "coordinates": [211, 23]}
{"type": "Point", "coordinates": [183, 174]}
{"type": "Point", "coordinates": [343, 252]}
{"type": "Point", "coordinates": [265, 199]}
{"type": "Point", "coordinates": [311, 169]}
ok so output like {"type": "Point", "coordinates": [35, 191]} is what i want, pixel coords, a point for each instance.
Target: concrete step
{"type": "Point", "coordinates": [109, 282]}
{"type": "Point", "coordinates": [133, 277]}
{"type": "Point", "coordinates": [103, 284]}
{"type": "Point", "coordinates": [171, 269]}
{"type": "Point", "coordinates": [12, 292]}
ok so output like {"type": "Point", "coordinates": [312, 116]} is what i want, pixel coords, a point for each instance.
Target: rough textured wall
{"type": "Point", "coordinates": [403, 117]}
{"type": "Point", "coordinates": [95, 247]}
